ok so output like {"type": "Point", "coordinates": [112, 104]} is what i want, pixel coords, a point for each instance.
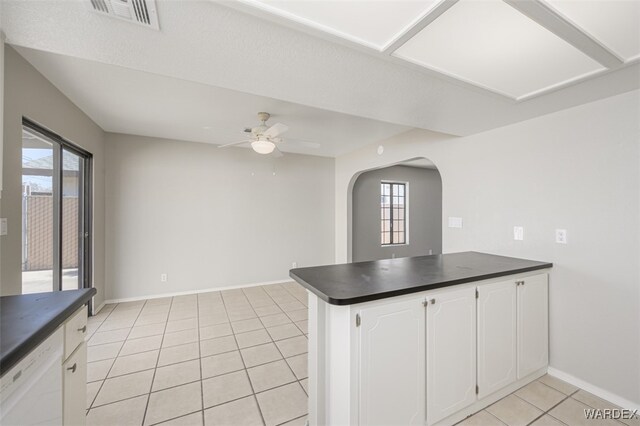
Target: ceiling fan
{"type": "Point", "coordinates": [264, 139]}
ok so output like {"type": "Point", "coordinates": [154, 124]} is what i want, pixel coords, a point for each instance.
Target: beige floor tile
{"type": "Point", "coordinates": [572, 413]}
{"type": "Point", "coordinates": [213, 331]}
{"type": "Point", "coordinates": [291, 306]}
{"type": "Point", "coordinates": [540, 395]}
{"type": "Point", "coordinates": [299, 315]}
{"type": "Point", "coordinates": [221, 364]}
{"type": "Point", "coordinates": [175, 315]}
{"type": "Point", "coordinates": [102, 337]}
{"type": "Point", "coordinates": [284, 331]}
{"type": "Point", "coordinates": [109, 325]}
{"type": "Point", "coordinates": [303, 326]}
{"type": "Point", "coordinates": [124, 413]}
{"type": "Point", "coordinates": [213, 319]}
{"type": "Point", "coordinates": [271, 375]}
{"type": "Point", "coordinates": [225, 388]}
{"type": "Point", "coordinates": [558, 384]}
{"type": "Point", "coordinates": [176, 374]}
{"type": "Point", "coordinates": [151, 319]}
{"type": "Point", "coordinates": [246, 325]}
{"type": "Point", "coordinates": [242, 315]}
{"type": "Point", "coordinates": [514, 411]}
{"type": "Point", "coordinates": [193, 419]}
{"type": "Point", "coordinates": [262, 354]}
{"type": "Point", "coordinates": [98, 370]}
{"type": "Point", "coordinates": [282, 404]}
{"type": "Point", "coordinates": [293, 346]}
{"type": "Point", "coordinates": [92, 391]}
{"type": "Point", "coordinates": [218, 345]}
{"type": "Point", "coordinates": [146, 330]}
{"type": "Point", "coordinates": [174, 402]}
{"type": "Point", "coordinates": [591, 400]}
{"type": "Point", "coordinates": [299, 364]}
{"type": "Point", "coordinates": [253, 338]}
{"type": "Point", "coordinates": [241, 412]}
{"type": "Point", "coordinates": [180, 338]}
{"type": "Point", "coordinates": [134, 363]}
{"type": "Point", "coordinates": [179, 353]}
{"type": "Point", "coordinates": [123, 387]}
{"type": "Point", "coordinates": [263, 311]}
{"type": "Point", "coordinates": [180, 325]}
{"type": "Point", "coordinates": [143, 344]}
{"type": "Point", "coordinates": [481, 418]}
{"type": "Point", "coordinates": [300, 421]}
{"type": "Point", "coordinates": [276, 319]}
{"type": "Point", "coordinates": [101, 352]}
{"type": "Point", "coordinates": [547, 420]}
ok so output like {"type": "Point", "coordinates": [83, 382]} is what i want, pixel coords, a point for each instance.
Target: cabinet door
{"type": "Point", "coordinates": [391, 367]}
{"type": "Point", "coordinates": [451, 352]}
{"type": "Point", "coordinates": [496, 336]}
{"type": "Point", "coordinates": [74, 387]}
{"type": "Point", "coordinates": [533, 324]}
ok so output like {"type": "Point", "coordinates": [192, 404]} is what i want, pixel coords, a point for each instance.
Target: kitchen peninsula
{"type": "Point", "coordinates": [422, 340]}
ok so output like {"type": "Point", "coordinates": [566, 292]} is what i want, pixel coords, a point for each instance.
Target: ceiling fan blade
{"type": "Point", "coordinates": [233, 144]}
{"type": "Point", "coordinates": [302, 143]}
{"type": "Point", "coordinates": [275, 130]}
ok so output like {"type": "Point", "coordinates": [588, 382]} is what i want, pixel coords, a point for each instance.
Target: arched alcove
{"type": "Point", "coordinates": [395, 211]}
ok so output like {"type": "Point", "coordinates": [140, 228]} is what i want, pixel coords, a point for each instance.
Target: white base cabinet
{"type": "Point", "coordinates": [429, 358]}
{"type": "Point", "coordinates": [450, 352]}
{"type": "Point", "coordinates": [74, 370]}
{"type": "Point", "coordinates": [392, 334]}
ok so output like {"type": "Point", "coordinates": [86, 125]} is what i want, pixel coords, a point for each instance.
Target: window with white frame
{"type": "Point", "coordinates": [393, 213]}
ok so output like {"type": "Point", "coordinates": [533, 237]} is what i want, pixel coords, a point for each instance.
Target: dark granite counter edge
{"type": "Point", "coordinates": [14, 356]}
{"type": "Point", "coordinates": [416, 289]}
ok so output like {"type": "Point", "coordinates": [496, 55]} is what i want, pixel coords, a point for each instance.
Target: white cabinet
{"type": "Point", "coordinates": [74, 370]}
{"type": "Point", "coordinates": [450, 352]}
{"type": "Point", "coordinates": [74, 387]}
{"type": "Point", "coordinates": [391, 369]}
{"type": "Point", "coordinates": [533, 324]}
{"type": "Point", "coordinates": [496, 336]}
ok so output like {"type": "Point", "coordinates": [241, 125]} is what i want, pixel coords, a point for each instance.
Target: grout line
{"type": "Point", "coordinates": [179, 417]}
{"type": "Point", "coordinates": [246, 372]}
{"type": "Point", "coordinates": [146, 408]}
{"type": "Point", "coordinates": [200, 358]}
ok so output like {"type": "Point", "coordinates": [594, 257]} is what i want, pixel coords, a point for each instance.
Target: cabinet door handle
{"type": "Point", "coordinates": [433, 301]}
{"type": "Point", "coordinates": [83, 329]}
{"type": "Point", "coordinates": [73, 367]}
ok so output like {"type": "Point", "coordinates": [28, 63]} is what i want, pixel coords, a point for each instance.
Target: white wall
{"type": "Point", "coordinates": [424, 213]}
{"type": "Point", "coordinates": [210, 217]}
{"type": "Point", "coordinates": [28, 94]}
{"type": "Point", "coordinates": [576, 169]}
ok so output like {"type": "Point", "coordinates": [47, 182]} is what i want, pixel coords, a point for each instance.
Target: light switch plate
{"type": "Point", "coordinates": [455, 222]}
{"type": "Point", "coordinates": [518, 233]}
{"type": "Point", "coordinates": [561, 236]}
{"type": "Point", "coordinates": [3, 226]}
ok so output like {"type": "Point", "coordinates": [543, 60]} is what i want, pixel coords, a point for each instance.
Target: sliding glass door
{"type": "Point", "coordinates": [56, 194]}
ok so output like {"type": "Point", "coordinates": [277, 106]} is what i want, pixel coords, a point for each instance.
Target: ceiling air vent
{"type": "Point", "coordinates": [141, 12]}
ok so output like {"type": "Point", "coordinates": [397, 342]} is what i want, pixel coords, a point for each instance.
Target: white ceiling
{"type": "Point", "coordinates": [123, 100]}
{"type": "Point", "coordinates": [515, 48]}
{"type": "Point", "coordinates": [258, 53]}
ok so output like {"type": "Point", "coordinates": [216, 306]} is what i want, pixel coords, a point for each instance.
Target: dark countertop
{"type": "Point", "coordinates": [351, 283]}
{"type": "Point", "coordinates": [27, 320]}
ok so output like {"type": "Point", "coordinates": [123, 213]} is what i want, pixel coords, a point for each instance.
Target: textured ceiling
{"type": "Point", "coordinates": [123, 100]}
{"type": "Point", "coordinates": [208, 43]}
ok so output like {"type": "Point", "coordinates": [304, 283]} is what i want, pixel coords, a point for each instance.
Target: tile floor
{"type": "Point", "coordinates": [236, 357]}
{"type": "Point", "coordinates": [239, 357]}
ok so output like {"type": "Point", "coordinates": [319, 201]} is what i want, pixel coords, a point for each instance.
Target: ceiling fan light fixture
{"type": "Point", "coordinates": [262, 146]}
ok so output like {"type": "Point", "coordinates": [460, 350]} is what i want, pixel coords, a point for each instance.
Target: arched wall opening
{"type": "Point", "coordinates": [420, 208]}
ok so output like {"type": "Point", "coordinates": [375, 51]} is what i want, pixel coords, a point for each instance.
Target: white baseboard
{"type": "Point", "coordinates": [184, 293]}
{"type": "Point", "coordinates": [597, 391]}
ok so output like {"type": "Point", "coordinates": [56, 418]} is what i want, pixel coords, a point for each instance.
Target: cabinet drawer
{"type": "Point", "coordinates": [74, 388]}
{"type": "Point", "coordinates": [75, 329]}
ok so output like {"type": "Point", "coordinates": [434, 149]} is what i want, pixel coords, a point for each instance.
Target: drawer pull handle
{"type": "Point", "coordinates": [73, 367]}
{"type": "Point", "coordinates": [83, 329]}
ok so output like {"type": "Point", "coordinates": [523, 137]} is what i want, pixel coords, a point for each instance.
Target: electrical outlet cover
{"type": "Point", "coordinates": [518, 233]}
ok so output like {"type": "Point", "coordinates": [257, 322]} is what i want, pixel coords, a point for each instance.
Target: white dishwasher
{"type": "Point", "coordinates": [31, 392]}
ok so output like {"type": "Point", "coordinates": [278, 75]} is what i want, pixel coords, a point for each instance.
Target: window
{"type": "Point", "coordinates": [393, 213]}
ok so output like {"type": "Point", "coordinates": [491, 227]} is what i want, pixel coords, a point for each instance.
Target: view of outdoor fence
{"type": "Point", "coordinates": [38, 232]}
